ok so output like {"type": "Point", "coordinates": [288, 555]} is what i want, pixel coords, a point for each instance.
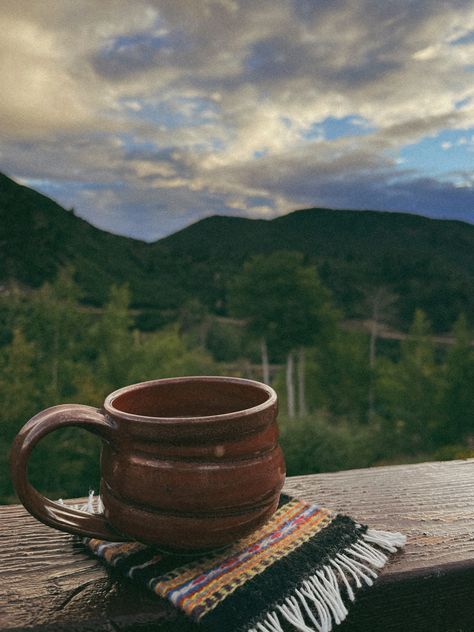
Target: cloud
{"type": "Point", "coordinates": [146, 116]}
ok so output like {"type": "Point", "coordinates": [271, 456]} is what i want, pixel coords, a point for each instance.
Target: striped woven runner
{"type": "Point", "coordinates": [300, 571]}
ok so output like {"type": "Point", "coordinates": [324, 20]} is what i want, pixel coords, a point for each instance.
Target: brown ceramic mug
{"type": "Point", "coordinates": [187, 463]}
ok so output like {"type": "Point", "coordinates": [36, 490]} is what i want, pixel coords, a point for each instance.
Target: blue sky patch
{"type": "Point", "coordinates": [446, 154]}
{"type": "Point", "coordinates": [467, 38]}
{"type": "Point", "coordinates": [333, 127]}
{"type": "Point", "coordinates": [127, 54]}
{"type": "Point", "coordinates": [459, 105]}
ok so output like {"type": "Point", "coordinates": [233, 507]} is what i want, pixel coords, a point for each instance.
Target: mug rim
{"type": "Point", "coordinates": [116, 412]}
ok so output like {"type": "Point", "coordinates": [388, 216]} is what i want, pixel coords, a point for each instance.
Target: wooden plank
{"type": "Point", "coordinates": [48, 582]}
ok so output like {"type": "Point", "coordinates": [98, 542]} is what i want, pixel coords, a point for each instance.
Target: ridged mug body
{"type": "Point", "coordinates": [192, 480]}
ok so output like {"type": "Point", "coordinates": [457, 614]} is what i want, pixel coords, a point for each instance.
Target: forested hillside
{"type": "Point", "coordinates": [425, 263]}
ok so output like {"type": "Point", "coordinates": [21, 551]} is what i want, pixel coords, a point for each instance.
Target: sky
{"type": "Point", "coordinates": [146, 116]}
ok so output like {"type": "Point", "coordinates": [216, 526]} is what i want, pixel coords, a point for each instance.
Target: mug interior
{"type": "Point", "coordinates": [189, 397]}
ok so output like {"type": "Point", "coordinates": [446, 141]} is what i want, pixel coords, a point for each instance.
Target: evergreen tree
{"type": "Point", "coordinates": [113, 340]}
{"type": "Point", "coordinates": [457, 406]}
{"type": "Point", "coordinates": [19, 397]}
{"type": "Point", "coordinates": [409, 390]}
{"type": "Point", "coordinates": [340, 375]}
{"type": "Point", "coordinates": [52, 321]}
{"type": "Point", "coordinates": [18, 389]}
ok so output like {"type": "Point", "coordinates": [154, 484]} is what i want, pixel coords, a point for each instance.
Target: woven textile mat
{"type": "Point", "coordinates": [300, 571]}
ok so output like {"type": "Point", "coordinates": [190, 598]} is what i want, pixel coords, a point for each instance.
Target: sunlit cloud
{"type": "Point", "coordinates": [146, 116]}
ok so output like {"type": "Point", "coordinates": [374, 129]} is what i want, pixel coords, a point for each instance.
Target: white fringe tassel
{"type": "Point", "coordinates": [94, 503]}
{"type": "Point", "coordinates": [318, 602]}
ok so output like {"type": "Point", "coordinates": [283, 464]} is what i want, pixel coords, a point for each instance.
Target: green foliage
{"type": "Point", "coordinates": [66, 463]}
{"type": "Point", "coordinates": [227, 341]}
{"type": "Point", "coordinates": [16, 377]}
{"type": "Point", "coordinates": [282, 300]}
{"type": "Point", "coordinates": [408, 391]}
{"type": "Point", "coordinates": [320, 444]}
{"type": "Point", "coordinates": [453, 451]}
{"type": "Point", "coordinates": [112, 340]}
{"type": "Point", "coordinates": [166, 354]}
{"type": "Point", "coordinates": [53, 350]}
{"type": "Point", "coordinates": [340, 372]}
{"type": "Point", "coordinates": [457, 398]}
{"type": "Point", "coordinates": [56, 353]}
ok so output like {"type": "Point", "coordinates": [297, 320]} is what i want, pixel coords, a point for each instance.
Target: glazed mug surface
{"type": "Point", "coordinates": [187, 463]}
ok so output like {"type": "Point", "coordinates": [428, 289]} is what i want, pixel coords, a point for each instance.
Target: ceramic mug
{"type": "Point", "coordinates": [187, 463]}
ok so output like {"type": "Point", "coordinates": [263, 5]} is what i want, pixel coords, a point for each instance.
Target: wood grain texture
{"type": "Point", "coordinates": [48, 582]}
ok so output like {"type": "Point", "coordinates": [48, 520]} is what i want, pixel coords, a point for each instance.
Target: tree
{"type": "Point", "coordinates": [409, 390]}
{"type": "Point", "coordinates": [11, 304]}
{"type": "Point", "coordinates": [194, 321]}
{"type": "Point", "coordinates": [113, 340]}
{"type": "Point", "coordinates": [166, 354]}
{"type": "Point", "coordinates": [51, 320]}
{"type": "Point", "coordinates": [457, 405]}
{"type": "Point", "coordinates": [18, 391]}
{"type": "Point", "coordinates": [286, 307]}
{"type": "Point", "coordinates": [339, 375]}
{"type": "Point", "coordinates": [18, 394]}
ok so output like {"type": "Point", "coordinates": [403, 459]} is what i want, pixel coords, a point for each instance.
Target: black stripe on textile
{"type": "Point", "coordinates": [125, 562]}
{"type": "Point", "coordinates": [250, 603]}
{"type": "Point", "coordinates": [284, 500]}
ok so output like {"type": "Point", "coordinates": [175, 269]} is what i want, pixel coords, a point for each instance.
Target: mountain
{"type": "Point", "coordinates": [428, 263]}
{"type": "Point", "coordinates": [37, 237]}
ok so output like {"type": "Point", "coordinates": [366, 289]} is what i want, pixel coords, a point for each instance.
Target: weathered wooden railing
{"type": "Point", "coordinates": [48, 582]}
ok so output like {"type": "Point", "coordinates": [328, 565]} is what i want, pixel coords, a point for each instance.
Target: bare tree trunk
{"type": "Point", "coordinates": [373, 343]}
{"type": "Point", "coordinates": [265, 365]}
{"type": "Point", "coordinates": [290, 389]}
{"type": "Point", "coordinates": [55, 362]}
{"type": "Point", "coordinates": [372, 357]}
{"type": "Point", "coordinates": [248, 370]}
{"type": "Point", "coordinates": [373, 352]}
{"type": "Point", "coordinates": [301, 383]}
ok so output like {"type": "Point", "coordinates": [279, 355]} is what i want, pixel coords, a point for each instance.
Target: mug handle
{"type": "Point", "coordinates": [52, 513]}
